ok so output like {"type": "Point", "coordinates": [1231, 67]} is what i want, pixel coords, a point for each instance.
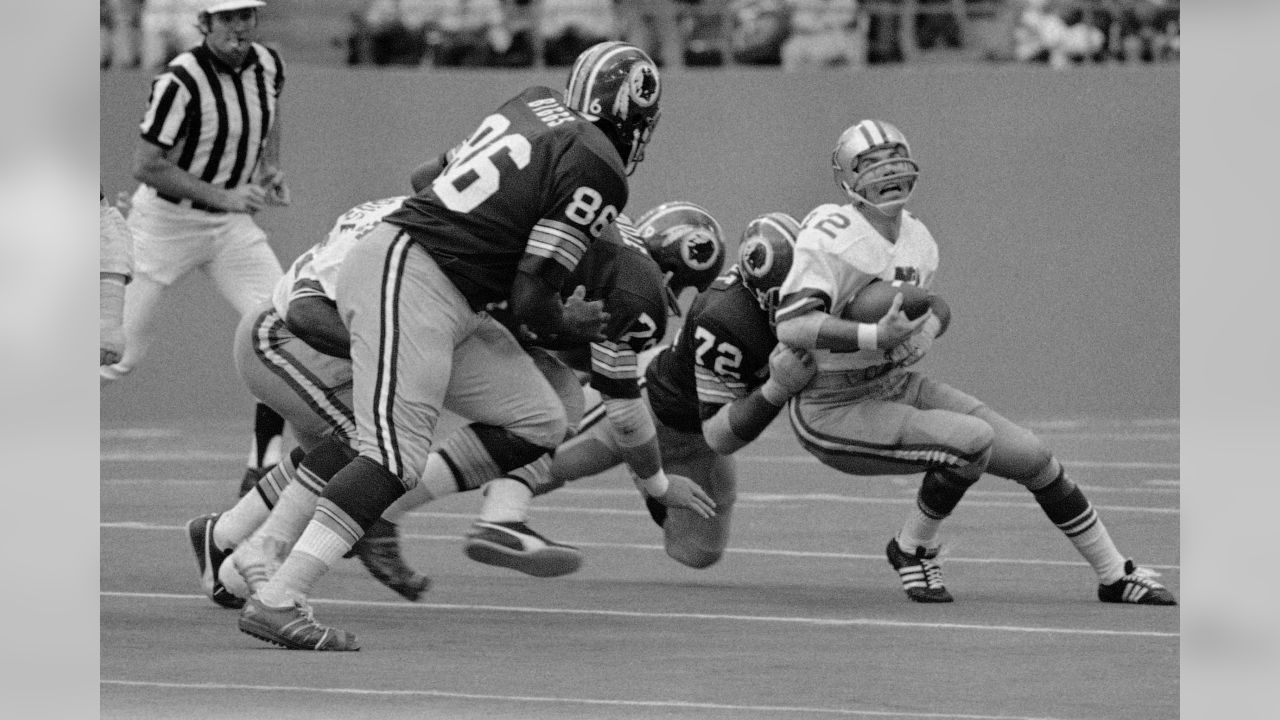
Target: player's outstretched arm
{"type": "Point", "coordinates": [740, 422]}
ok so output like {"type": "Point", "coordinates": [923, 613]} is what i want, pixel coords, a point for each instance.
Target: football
{"type": "Point", "coordinates": [873, 301]}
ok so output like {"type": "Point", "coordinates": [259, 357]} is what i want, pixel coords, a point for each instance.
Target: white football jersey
{"type": "Point", "coordinates": [837, 254]}
{"type": "Point", "coordinates": [315, 272]}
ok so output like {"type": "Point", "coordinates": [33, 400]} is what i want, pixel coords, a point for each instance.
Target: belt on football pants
{"type": "Point", "coordinates": [188, 202]}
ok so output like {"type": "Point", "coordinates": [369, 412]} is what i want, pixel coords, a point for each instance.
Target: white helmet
{"type": "Point", "coordinates": [896, 173]}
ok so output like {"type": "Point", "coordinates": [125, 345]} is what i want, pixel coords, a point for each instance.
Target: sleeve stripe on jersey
{"type": "Point", "coordinates": [799, 303]}
{"type": "Point", "coordinates": [614, 361]}
{"type": "Point", "coordinates": [555, 244]}
{"type": "Point", "coordinates": [307, 287]}
{"type": "Point", "coordinates": [712, 389]}
{"type": "Point", "coordinates": [561, 233]}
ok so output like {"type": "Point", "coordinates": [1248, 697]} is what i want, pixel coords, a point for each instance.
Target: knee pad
{"type": "Point", "coordinates": [363, 490]}
{"type": "Point", "coordinates": [941, 491]}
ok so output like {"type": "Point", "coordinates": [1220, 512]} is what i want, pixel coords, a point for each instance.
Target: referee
{"type": "Point", "coordinates": [208, 159]}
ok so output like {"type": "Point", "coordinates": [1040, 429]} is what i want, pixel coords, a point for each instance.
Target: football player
{"type": "Point", "coordinates": [294, 354]}
{"type": "Point", "coordinates": [507, 217]}
{"type": "Point", "coordinates": [621, 273]}
{"type": "Point", "coordinates": [866, 414]}
{"type": "Point", "coordinates": [712, 392]}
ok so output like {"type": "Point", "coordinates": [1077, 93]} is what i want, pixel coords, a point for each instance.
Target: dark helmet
{"type": "Point", "coordinates": [617, 87]}
{"type": "Point", "coordinates": [765, 254]}
{"type": "Point", "coordinates": [686, 242]}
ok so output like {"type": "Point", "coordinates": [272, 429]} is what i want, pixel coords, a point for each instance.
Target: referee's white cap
{"type": "Point", "coordinates": [217, 6]}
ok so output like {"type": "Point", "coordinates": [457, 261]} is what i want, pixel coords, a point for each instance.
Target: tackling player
{"type": "Point", "coordinates": [865, 414]}
{"type": "Point", "coordinates": [711, 393]}
{"type": "Point", "coordinates": [507, 218]}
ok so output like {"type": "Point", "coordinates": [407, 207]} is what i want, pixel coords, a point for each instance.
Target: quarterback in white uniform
{"type": "Point", "coordinates": [865, 414]}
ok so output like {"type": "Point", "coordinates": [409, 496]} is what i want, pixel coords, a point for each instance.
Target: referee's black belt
{"type": "Point", "coordinates": [188, 202]}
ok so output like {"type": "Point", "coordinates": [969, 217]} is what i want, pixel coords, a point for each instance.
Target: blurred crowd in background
{"type": "Point", "coordinates": [789, 34]}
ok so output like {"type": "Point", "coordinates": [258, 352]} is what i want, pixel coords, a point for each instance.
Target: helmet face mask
{"type": "Point", "coordinates": [616, 86]}
{"type": "Point", "coordinates": [764, 257]}
{"type": "Point", "coordinates": [872, 164]}
{"type": "Point", "coordinates": [686, 242]}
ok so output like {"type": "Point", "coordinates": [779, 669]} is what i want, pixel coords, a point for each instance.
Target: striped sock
{"type": "Point", "coordinates": [1073, 514]}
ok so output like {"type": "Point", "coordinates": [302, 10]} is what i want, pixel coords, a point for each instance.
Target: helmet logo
{"type": "Point", "coordinates": [641, 86]}
{"type": "Point", "coordinates": [699, 250]}
{"type": "Point", "coordinates": [757, 260]}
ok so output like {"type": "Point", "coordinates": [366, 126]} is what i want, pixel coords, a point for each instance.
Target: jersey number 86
{"type": "Point", "coordinates": [472, 177]}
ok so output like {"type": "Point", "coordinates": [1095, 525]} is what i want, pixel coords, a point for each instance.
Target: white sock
{"type": "Point", "coordinates": [240, 521]}
{"type": "Point", "coordinates": [505, 500]}
{"type": "Point", "coordinates": [292, 513]}
{"type": "Point", "coordinates": [919, 530]}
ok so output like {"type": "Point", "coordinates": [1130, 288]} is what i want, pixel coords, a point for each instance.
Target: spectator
{"type": "Point", "coordinates": [1148, 30]}
{"type": "Point", "coordinates": [825, 33]}
{"type": "Point", "coordinates": [652, 26]}
{"type": "Point", "coordinates": [390, 32]}
{"type": "Point", "coordinates": [760, 27]}
{"type": "Point", "coordinates": [469, 33]}
{"type": "Point", "coordinates": [569, 27]}
{"type": "Point", "coordinates": [1042, 35]}
{"type": "Point", "coordinates": [168, 29]}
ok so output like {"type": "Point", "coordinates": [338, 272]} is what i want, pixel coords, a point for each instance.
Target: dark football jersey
{"type": "Point", "coordinates": [529, 190]}
{"type": "Point", "coordinates": [631, 286]}
{"type": "Point", "coordinates": [720, 355]}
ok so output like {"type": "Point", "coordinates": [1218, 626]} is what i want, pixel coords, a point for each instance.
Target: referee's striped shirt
{"type": "Point", "coordinates": [213, 119]}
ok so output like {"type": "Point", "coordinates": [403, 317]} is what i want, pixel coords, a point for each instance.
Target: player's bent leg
{"type": "Point", "coordinates": [689, 538]}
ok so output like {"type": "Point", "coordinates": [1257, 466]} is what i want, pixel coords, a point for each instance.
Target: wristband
{"type": "Point", "coordinates": [868, 336]}
{"type": "Point", "coordinates": [773, 392]}
{"type": "Point", "coordinates": [656, 485]}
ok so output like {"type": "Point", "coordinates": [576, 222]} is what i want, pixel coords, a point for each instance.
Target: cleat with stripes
{"type": "Point", "coordinates": [209, 560]}
{"type": "Point", "coordinates": [293, 627]}
{"type": "Point", "coordinates": [1137, 587]}
{"type": "Point", "coordinates": [516, 546]}
{"type": "Point", "coordinates": [921, 575]}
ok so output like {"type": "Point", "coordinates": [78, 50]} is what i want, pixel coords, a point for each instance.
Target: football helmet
{"type": "Point", "coordinates": [616, 86]}
{"type": "Point", "coordinates": [884, 184]}
{"type": "Point", "coordinates": [765, 254]}
{"type": "Point", "coordinates": [686, 242]}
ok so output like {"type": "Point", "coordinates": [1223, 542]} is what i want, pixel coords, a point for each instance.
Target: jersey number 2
{"type": "Point", "coordinates": [472, 176]}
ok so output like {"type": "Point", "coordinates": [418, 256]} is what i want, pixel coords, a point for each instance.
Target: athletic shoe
{"type": "Point", "coordinates": [514, 545]}
{"type": "Point", "coordinates": [251, 478]}
{"type": "Point", "coordinates": [1136, 587]}
{"type": "Point", "coordinates": [209, 559]}
{"type": "Point", "coordinates": [379, 551]}
{"type": "Point", "coordinates": [921, 576]}
{"type": "Point", "coordinates": [292, 627]}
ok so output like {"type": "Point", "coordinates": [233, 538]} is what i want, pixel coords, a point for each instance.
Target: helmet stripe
{"type": "Point", "coordinates": [865, 129]}
{"type": "Point", "coordinates": [588, 79]}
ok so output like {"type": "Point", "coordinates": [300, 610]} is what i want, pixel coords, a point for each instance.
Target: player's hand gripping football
{"type": "Point", "coordinates": [582, 321]}
{"type": "Point", "coordinates": [683, 492]}
{"type": "Point", "coordinates": [913, 349]}
{"type": "Point", "coordinates": [895, 327]}
{"type": "Point", "coordinates": [791, 368]}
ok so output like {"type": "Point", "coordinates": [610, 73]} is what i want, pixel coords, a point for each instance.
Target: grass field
{"type": "Point", "coordinates": [803, 618]}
